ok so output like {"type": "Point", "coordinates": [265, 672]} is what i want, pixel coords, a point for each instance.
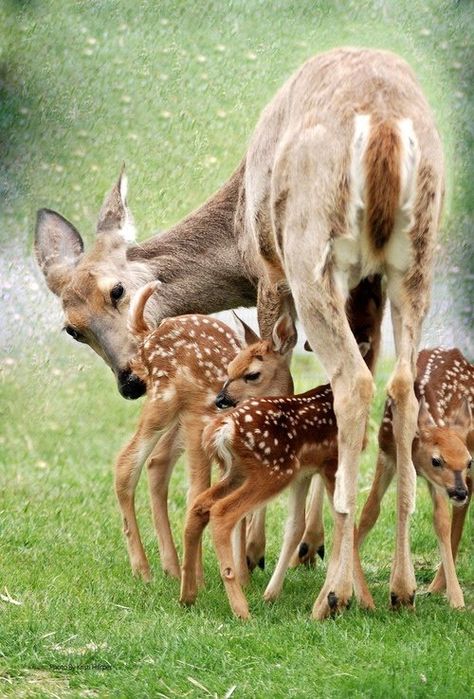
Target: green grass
{"type": "Point", "coordinates": [86, 627]}
{"type": "Point", "coordinates": [174, 89]}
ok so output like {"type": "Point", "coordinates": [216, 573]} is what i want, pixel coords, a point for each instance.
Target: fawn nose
{"type": "Point", "coordinates": [459, 495]}
{"type": "Point", "coordinates": [129, 385]}
{"type": "Point", "coordinates": [223, 400]}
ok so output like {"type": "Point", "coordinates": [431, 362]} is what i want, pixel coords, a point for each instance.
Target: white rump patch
{"type": "Point", "coordinates": [222, 440]}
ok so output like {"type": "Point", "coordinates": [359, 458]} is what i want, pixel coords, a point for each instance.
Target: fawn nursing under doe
{"type": "Point", "coordinates": [442, 453]}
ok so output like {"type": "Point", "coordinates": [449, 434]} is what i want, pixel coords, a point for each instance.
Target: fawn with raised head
{"type": "Point", "coordinates": [263, 446]}
{"type": "Point", "coordinates": [442, 453]}
{"type": "Point", "coordinates": [183, 364]}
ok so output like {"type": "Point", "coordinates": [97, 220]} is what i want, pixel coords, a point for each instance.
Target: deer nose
{"type": "Point", "coordinates": [223, 400]}
{"type": "Point", "coordinates": [129, 385]}
{"type": "Point", "coordinates": [459, 495]}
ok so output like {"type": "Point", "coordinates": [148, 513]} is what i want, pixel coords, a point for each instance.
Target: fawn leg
{"type": "Point", "coordinates": [239, 536]}
{"type": "Point", "coordinates": [197, 518]}
{"type": "Point", "coordinates": [458, 518]}
{"type": "Point", "coordinates": [127, 472]}
{"type": "Point", "coordinates": [384, 473]}
{"type": "Point", "coordinates": [293, 530]}
{"type": "Point", "coordinates": [442, 528]}
{"type": "Point", "coordinates": [160, 467]}
{"type": "Point", "coordinates": [312, 541]}
{"type": "Point", "coordinates": [224, 515]}
{"type": "Point", "coordinates": [256, 539]}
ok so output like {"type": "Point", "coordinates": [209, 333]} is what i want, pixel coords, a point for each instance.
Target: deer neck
{"type": "Point", "coordinates": [199, 259]}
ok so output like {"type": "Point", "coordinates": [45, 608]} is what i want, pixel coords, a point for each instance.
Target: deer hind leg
{"type": "Point", "coordinates": [458, 518]}
{"type": "Point", "coordinates": [259, 487]}
{"type": "Point", "coordinates": [408, 310]}
{"type": "Point", "coordinates": [197, 518]}
{"type": "Point", "coordinates": [239, 540]}
{"type": "Point", "coordinates": [160, 467]}
{"type": "Point", "coordinates": [321, 309]}
{"type": "Point", "coordinates": [293, 530]}
{"type": "Point", "coordinates": [127, 472]}
{"type": "Point", "coordinates": [256, 540]}
{"type": "Point", "coordinates": [312, 541]}
{"type": "Point", "coordinates": [442, 528]}
{"type": "Point", "coordinates": [384, 473]}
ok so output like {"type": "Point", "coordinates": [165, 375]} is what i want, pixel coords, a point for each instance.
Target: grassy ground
{"type": "Point", "coordinates": [174, 89]}
{"type": "Point", "coordinates": [85, 627]}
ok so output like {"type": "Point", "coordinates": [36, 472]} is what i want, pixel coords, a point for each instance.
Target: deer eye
{"type": "Point", "coordinates": [74, 333]}
{"type": "Point", "coordinates": [437, 462]}
{"type": "Point", "coordinates": [117, 292]}
{"type": "Point", "coordinates": [253, 376]}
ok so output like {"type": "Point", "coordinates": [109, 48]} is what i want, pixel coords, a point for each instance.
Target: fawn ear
{"type": "Point", "coordinates": [245, 334]}
{"type": "Point", "coordinates": [462, 418]}
{"type": "Point", "coordinates": [115, 216]}
{"type": "Point", "coordinates": [58, 248]}
{"type": "Point", "coordinates": [364, 347]}
{"type": "Point", "coordinates": [284, 335]}
{"type": "Point", "coordinates": [425, 419]}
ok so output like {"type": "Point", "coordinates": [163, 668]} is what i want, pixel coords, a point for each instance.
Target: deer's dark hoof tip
{"type": "Point", "coordinates": [303, 550]}
{"type": "Point", "coordinates": [261, 563]}
{"type": "Point", "coordinates": [320, 552]}
{"type": "Point", "coordinates": [332, 601]}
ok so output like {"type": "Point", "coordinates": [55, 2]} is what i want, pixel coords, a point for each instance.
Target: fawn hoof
{"type": "Point", "coordinates": [399, 601]}
{"type": "Point", "coordinates": [320, 552]}
{"type": "Point", "coordinates": [261, 563]}
{"type": "Point", "coordinates": [143, 572]}
{"type": "Point", "coordinates": [332, 601]}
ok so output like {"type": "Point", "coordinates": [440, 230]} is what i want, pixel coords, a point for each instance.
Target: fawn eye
{"type": "Point", "coordinates": [437, 462]}
{"type": "Point", "coordinates": [74, 333]}
{"type": "Point", "coordinates": [253, 376]}
{"type": "Point", "coordinates": [117, 292]}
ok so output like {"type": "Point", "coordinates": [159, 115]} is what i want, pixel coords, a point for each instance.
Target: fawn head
{"type": "Point", "coordinates": [95, 287]}
{"type": "Point", "coordinates": [262, 367]}
{"type": "Point", "coordinates": [442, 456]}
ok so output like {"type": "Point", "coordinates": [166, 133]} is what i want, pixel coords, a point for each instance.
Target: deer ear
{"type": "Point", "coordinates": [364, 347]}
{"type": "Point", "coordinates": [115, 216]}
{"type": "Point", "coordinates": [425, 419]}
{"type": "Point", "coordinates": [58, 248]}
{"type": "Point", "coordinates": [462, 418]}
{"type": "Point", "coordinates": [284, 335]}
{"type": "Point", "coordinates": [245, 334]}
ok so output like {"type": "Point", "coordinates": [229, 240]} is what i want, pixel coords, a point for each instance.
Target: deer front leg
{"type": "Point", "coordinates": [293, 530]}
{"type": "Point", "coordinates": [458, 518]}
{"type": "Point", "coordinates": [312, 541]}
{"type": "Point", "coordinates": [199, 469]}
{"type": "Point", "coordinates": [160, 467]}
{"type": "Point", "coordinates": [127, 472]}
{"type": "Point", "coordinates": [442, 529]}
{"type": "Point", "coordinates": [384, 473]}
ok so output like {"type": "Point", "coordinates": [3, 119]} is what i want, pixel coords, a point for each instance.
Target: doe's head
{"type": "Point", "coordinates": [95, 287]}
{"type": "Point", "coordinates": [262, 367]}
{"type": "Point", "coordinates": [442, 455]}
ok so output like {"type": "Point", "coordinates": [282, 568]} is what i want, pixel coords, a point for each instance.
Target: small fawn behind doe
{"type": "Point", "coordinates": [442, 453]}
{"type": "Point", "coordinates": [183, 363]}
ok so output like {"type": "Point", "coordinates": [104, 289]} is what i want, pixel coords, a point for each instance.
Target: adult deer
{"type": "Point", "coordinates": [343, 178]}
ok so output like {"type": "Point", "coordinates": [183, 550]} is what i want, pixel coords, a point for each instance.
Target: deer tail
{"type": "Point", "coordinates": [383, 181]}
{"type": "Point", "coordinates": [136, 321]}
{"type": "Point", "coordinates": [217, 440]}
